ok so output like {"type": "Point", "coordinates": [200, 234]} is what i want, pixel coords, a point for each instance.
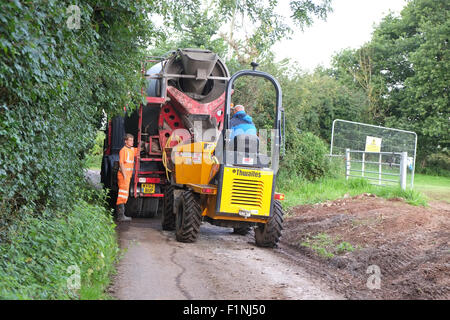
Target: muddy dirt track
{"type": "Point", "coordinates": [220, 265]}
{"type": "Point", "coordinates": [409, 246]}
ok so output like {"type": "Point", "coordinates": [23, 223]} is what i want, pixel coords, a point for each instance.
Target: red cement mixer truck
{"type": "Point", "coordinates": [185, 87]}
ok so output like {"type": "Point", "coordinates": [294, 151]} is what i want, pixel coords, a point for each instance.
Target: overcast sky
{"type": "Point", "coordinates": [349, 25]}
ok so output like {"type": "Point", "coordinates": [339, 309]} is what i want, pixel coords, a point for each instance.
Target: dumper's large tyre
{"type": "Point", "coordinates": [268, 234]}
{"type": "Point", "coordinates": [188, 217]}
{"type": "Point", "coordinates": [168, 213]}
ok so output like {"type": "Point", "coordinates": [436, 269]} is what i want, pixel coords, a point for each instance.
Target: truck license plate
{"type": "Point", "coordinates": [148, 187]}
{"type": "Point", "coordinates": [247, 213]}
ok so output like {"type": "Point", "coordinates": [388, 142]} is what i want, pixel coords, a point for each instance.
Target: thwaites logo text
{"type": "Point", "coordinates": [243, 173]}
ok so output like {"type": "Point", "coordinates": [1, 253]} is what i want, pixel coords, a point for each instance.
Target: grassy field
{"type": "Point", "coordinates": [434, 187]}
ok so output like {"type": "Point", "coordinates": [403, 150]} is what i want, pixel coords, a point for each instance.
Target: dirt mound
{"type": "Point", "coordinates": [349, 240]}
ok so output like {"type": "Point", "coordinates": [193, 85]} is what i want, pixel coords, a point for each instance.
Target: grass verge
{"type": "Point", "coordinates": [68, 255]}
{"type": "Point", "coordinates": [299, 191]}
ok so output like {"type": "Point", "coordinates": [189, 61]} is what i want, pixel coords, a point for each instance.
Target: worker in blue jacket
{"type": "Point", "coordinates": [241, 123]}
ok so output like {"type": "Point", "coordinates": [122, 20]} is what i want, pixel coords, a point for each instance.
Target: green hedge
{"type": "Point", "coordinates": [54, 83]}
{"type": "Point", "coordinates": [437, 164]}
{"type": "Point", "coordinates": [306, 156]}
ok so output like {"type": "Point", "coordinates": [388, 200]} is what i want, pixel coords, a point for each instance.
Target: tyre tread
{"type": "Point", "coordinates": [192, 220]}
{"type": "Point", "coordinates": [269, 234]}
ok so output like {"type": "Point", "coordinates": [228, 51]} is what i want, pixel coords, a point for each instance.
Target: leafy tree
{"type": "Point", "coordinates": [354, 68]}
{"type": "Point", "coordinates": [241, 30]}
{"type": "Point", "coordinates": [304, 10]}
{"type": "Point", "coordinates": [198, 29]}
{"type": "Point", "coordinates": [409, 66]}
{"type": "Point", "coordinates": [426, 108]}
{"type": "Point", "coordinates": [325, 99]}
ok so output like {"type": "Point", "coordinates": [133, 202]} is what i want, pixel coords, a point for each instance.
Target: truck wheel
{"type": "Point", "coordinates": [242, 231]}
{"type": "Point", "coordinates": [149, 206]}
{"type": "Point", "coordinates": [168, 215]}
{"type": "Point", "coordinates": [268, 234]}
{"type": "Point", "coordinates": [159, 213]}
{"type": "Point", "coordinates": [189, 217]}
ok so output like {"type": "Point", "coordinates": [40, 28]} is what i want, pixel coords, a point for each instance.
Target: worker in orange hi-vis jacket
{"type": "Point", "coordinates": [126, 163]}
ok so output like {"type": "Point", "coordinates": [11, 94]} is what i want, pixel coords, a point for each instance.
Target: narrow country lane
{"type": "Point", "coordinates": [220, 265]}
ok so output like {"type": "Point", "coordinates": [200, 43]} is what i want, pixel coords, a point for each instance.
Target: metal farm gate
{"type": "Point", "coordinates": [385, 156]}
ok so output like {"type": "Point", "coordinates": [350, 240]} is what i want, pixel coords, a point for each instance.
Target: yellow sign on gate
{"type": "Point", "coordinates": [373, 144]}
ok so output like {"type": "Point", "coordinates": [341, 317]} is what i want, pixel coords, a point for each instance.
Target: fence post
{"type": "Point", "coordinates": [380, 158]}
{"type": "Point", "coordinates": [347, 163]}
{"type": "Point", "coordinates": [403, 170]}
{"type": "Point", "coordinates": [363, 164]}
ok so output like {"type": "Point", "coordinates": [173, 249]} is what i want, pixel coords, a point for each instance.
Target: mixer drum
{"type": "Point", "coordinates": [194, 62]}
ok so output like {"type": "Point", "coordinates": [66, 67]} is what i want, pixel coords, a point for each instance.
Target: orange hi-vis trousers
{"type": "Point", "coordinates": [126, 158]}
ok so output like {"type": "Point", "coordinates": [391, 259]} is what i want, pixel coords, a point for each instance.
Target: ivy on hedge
{"type": "Point", "coordinates": [54, 83]}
